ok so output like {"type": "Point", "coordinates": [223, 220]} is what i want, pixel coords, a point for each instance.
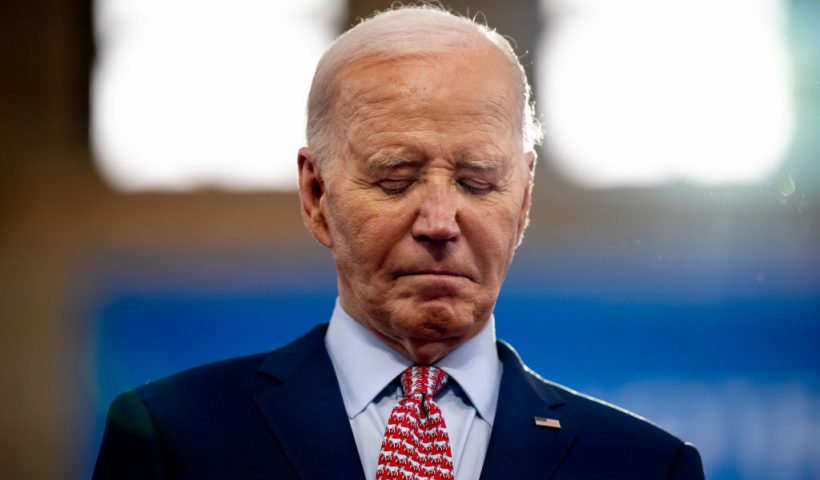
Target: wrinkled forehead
{"type": "Point", "coordinates": [478, 81]}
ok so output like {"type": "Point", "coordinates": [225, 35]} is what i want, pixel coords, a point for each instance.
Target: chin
{"type": "Point", "coordinates": [436, 320]}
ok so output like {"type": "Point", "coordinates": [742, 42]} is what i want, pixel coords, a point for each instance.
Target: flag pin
{"type": "Point", "coordinates": [553, 423]}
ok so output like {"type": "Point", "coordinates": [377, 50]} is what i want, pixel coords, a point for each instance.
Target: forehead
{"type": "Point", "coordinates": [469, 95]}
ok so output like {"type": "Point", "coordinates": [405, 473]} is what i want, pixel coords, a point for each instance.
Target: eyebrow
{"type": "Point", "coordinates": [380, 164]}
{"type": "Point", "coordinates": [479, 163]}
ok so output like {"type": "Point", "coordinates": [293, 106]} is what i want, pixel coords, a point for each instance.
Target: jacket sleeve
{"type": "Point", "coordinates": [130, 447]}
{"type": "Point", "coordinates": [687, 465]}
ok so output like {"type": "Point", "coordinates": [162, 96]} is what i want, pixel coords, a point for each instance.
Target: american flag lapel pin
{"type": "Point", "coordinates": [552, 423]}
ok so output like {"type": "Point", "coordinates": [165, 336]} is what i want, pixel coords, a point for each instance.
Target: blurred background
{"type": "Point", "coordinates": [148, 221]}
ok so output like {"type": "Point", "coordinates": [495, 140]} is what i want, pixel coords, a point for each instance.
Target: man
{"type": "Point", "coordinates": [417, 176]}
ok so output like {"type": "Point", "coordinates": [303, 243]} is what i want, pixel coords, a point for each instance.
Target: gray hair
{"type": "Point", "coordinates": [414, 30]}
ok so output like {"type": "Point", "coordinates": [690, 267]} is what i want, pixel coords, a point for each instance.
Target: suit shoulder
{"type": "Point", "coordinates": [233, 372]}
{"type": "Point", "coordinates": [242, 373]}
{"type": "Point", "coordinates": [639, 445]}
{"type": "Point", "coordinates": [605, 416]}
{"type": "Point", "coordinates": [609, 421]}
{"type": "Point", "coordinates": [202, 419]}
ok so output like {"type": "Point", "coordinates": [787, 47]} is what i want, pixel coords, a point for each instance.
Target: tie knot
{"type": "Point", "coordinates": [424, 380]}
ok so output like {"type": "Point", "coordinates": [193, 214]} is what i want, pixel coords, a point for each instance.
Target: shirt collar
{"type": "Point", "coordinates": [476, 368]}
{"type": "Point", "coordinates": [364, 365]}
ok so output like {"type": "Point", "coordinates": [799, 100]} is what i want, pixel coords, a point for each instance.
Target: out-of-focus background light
{"type": "Point", "coordinates": [186, 98]}
{"type": "Point", "coordinates": [647, 92]}
{"type": "Point", "coordinates": [205, 95]}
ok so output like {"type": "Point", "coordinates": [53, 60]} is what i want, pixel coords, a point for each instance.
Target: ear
{"type": "Point", "coordinates": [311, 192]}
{"type": "Point", "coordinates": [524, 214]}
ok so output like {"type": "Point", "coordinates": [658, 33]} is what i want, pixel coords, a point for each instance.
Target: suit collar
{"type": "Point", "coordinates": [518, 448]}
{"type": "Point", "coordinates": [282, 363]}
{"type": "Point", "coordinates": [304, 410]}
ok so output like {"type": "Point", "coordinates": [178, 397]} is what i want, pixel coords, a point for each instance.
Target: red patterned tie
{"type": "Point", "coordinates": [416, 445]}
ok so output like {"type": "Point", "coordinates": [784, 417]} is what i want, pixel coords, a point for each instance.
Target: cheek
{"type": "Point", "coordinates": [363, 230]}
{"type": "Point", "coordinates": [494, 238]}
{"type": "Point", "coordinates": [346, 227]}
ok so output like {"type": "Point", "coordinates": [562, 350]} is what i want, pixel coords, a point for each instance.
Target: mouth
{"type": "Point", "coordinates": [437, 272]}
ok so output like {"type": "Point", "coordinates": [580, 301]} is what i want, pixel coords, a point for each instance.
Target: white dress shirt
{"type": "Point", "coordinates": [367, 371]}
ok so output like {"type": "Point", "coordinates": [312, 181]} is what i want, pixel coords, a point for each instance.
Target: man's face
{"type": "Point", "coordinates": [427, 197]}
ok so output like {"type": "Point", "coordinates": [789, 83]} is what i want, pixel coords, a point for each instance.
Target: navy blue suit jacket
{"type": "Point", "coordinates": [281, 416]}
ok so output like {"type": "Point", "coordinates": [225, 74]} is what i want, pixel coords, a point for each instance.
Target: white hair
{"type": "Point", "coordinates": [415, 31]}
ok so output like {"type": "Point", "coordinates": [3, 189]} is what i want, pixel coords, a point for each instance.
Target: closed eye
{"type": "Point", "coordinates": [475, 188]}
{"type": "Point", "coordinates": [394, 187]}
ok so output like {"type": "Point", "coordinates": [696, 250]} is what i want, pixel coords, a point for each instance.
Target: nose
{"type": "Point", "coordinates": [437, 218]}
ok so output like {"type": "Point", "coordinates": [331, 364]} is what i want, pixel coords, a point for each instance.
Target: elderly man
{"type": "Point", "coordinates": [417, 176]}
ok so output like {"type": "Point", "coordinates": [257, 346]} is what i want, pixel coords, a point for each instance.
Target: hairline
{"type": "Point", "coordinates": [455, 35]}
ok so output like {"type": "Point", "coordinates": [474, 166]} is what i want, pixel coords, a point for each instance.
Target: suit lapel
{"type": "Point", "coordinates": [305, 411]}
{"type": "Point", "coordinates": [518, 448]}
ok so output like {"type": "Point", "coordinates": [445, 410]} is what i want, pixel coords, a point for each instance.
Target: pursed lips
{"type": "Point", "coordinates": [434, 271]}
